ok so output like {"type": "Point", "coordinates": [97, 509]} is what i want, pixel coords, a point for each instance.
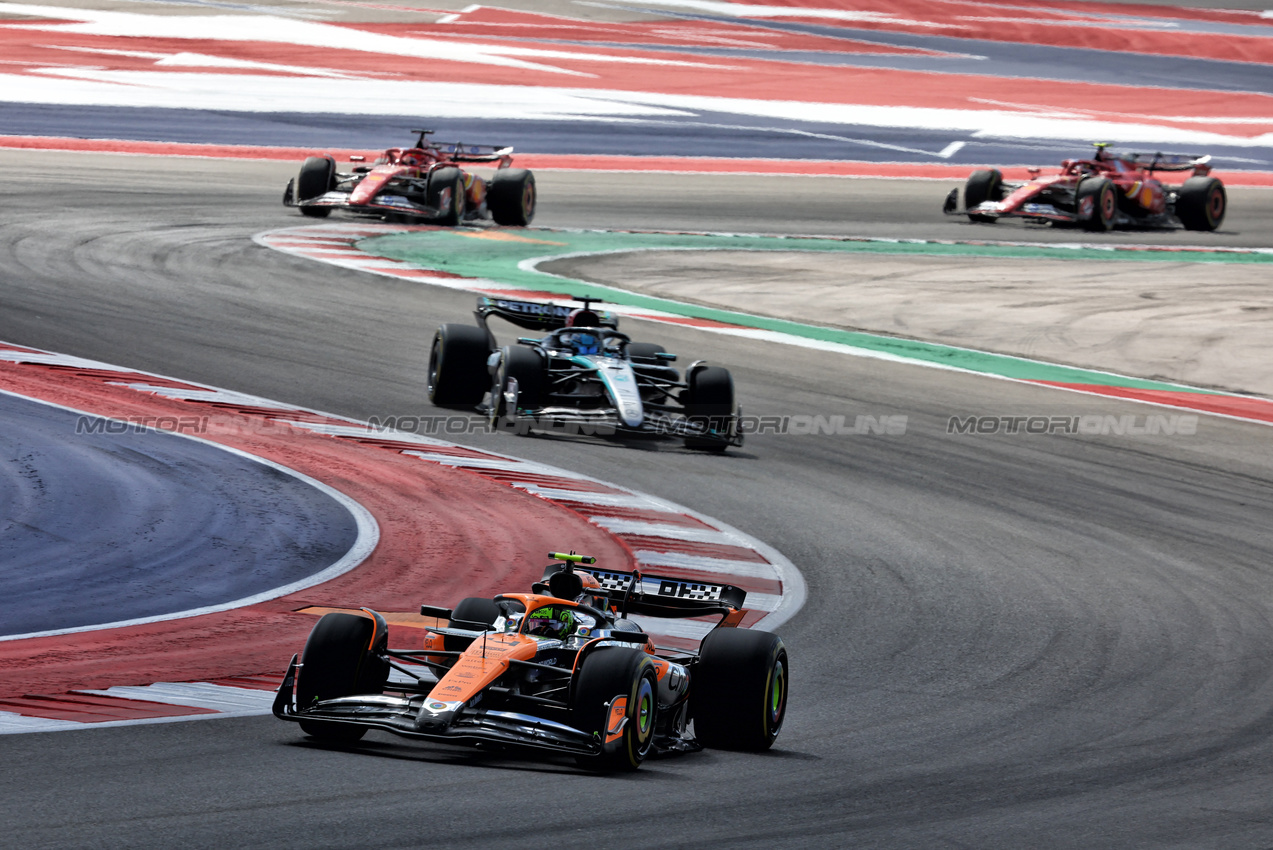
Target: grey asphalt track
{"type": "Point", "coordinates": [101, 526]}
{"type": "Point", "coordinates": [1009, 641]}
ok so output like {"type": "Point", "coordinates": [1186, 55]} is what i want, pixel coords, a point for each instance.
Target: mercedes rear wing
{"type": "Point", "coordinates": [533, 315]}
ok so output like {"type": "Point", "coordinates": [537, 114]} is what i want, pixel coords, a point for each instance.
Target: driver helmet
{"type": "Point", "coordinates": [592, 593]}
{"type": "Point", "coordinates": [585, 343]}
{"type": "Point", "coordinates": [550, 621]}
{"type": "Point", "coordinates": [583, 318]}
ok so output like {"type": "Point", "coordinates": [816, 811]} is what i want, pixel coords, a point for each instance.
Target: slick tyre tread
{"type": "Point", "coordinates": [525, 366]}
{"type": "Point", "coordinates": [510, 197]}
{"type": "Point", "coordinates": [605, 674]}
{"type": "Point", "coordinates": [1104, 202]}
{"type": "Point", "coordinates": [457, 374]}
{"type": "Point", "coordinates": [438, 183]}
{"type": "Point", "coordinates": [710, 399]}
{"type": "Point", "coordinates": [645, 351]}
{"type": "Point", "coordinates": [316, 178]}
{"type": "Point", "coordinates": [738, 690]}
{"type": "Point", "coordinates": [983, 185]}
{"type": "Point", "coordinates": [337, 662]}
{"type": "Point", "coordinates": [474, 609]}
{"type": "Point", "coordinates": [1201, 203]}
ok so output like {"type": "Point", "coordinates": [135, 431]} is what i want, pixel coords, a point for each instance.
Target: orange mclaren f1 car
{"type": "Point", "coordinates": [561, 668]}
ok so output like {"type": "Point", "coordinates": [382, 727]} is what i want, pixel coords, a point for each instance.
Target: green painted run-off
{"type": "Point", "coordinates": [501, 257]}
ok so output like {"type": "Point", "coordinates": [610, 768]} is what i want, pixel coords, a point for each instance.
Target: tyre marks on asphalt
{"type": "Point", "coordinates": [225, 664]}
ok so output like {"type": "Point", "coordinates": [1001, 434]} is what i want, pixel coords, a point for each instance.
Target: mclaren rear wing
{"type": "Point", "coordinates": [661, 596]}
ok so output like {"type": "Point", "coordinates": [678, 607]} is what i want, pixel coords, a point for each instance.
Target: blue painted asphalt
{"type": "Point", "coordinates": [98, 527]}
{"type": "Point", "coordinates": [704, 134]}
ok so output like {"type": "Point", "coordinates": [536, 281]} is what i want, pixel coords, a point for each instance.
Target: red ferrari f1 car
{"type": "Point", "coordinates": [422, 183]}
{"type": "Point", "coordinates": [561, 668]}
{"type": "Point", "coordinates": [1100, 193]}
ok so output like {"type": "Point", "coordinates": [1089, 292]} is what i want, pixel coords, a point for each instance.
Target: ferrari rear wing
{"type": "Point", "coordinates": [1169, 161]}
{"type": "Point", "coordinates": [460, 152]}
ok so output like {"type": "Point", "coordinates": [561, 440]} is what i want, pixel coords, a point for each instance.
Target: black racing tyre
{"type": "Point", "coordinates": [606, 674]}
{"type": "Point", "coordinates": [510, 196]}
{"type": "Point", "coordinates": [984, 185]}
{"type": "Point", "coordinates": [645, 351]}
{"type": "Point", "coordinates": [439, 181]}
{"type": "Point", "coordinates": [526, 366]}
{"type": "Point", "coordinates": [317, 177]}
{"type": "Point", "coordinates": [457, 366]}
{"type": "Point", "coordinates": [709, 399]}
{"type": "Point", "coordinates": [738, 689]}
{"type": "Point", "coordinates": [474, 609]}
{"type": "Point", "coordinates": [337, 662]}
{"type": "Point", "coordinates": [1104, 202]}
{"type": "Point", "coordinates": [1201, 203]}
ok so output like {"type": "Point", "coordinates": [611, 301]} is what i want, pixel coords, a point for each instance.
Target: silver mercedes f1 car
{"type": "Point", "coordinates": [582, 374]}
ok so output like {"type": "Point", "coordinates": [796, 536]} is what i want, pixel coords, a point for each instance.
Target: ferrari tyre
{"type": "Point", "coordinates": [1104, 202]}
{"type": "Point", "coordinates": [738, 692]}
{"type": "Point", "coordinates": [510, 196]}
{"type": "Point", "coordinates": [474, 609]}
{"type": "Point", "coordinates": [984, 185]}
{"type": "Point", "coordinates": [456, 204]}
{"type": "Point", "coordinates": [337, 662]}
{"type": "Point", "coordinates": [709, 400]}
{"type": "Point", "coordinates": [526, 367]}
{"type": "Point", "coordinates": [457, 366]}
{"type": "Point", "coordinates": [1201, 203]}
{"type": "Point", "coordinates": [616, 701]}
{"type": "Point", "coordinates": [316, 178]}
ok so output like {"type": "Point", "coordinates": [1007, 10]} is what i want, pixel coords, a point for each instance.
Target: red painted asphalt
{"type": "Point", "coordinates": [445, 535]}
{"type": "Point", "coordinates": [1258, 409]}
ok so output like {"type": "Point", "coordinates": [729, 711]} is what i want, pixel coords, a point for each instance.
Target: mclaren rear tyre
{"type": "Point", "coordinates": [709, 401]}
{"type": "Point", "coordinates": [616, 700]}
{"type": "Point", "coordinates": [1201, 203]}
{"type": "Point", "coordinates": [982, 186]}
{"type": "Point", "coordinates": [467, 615]}
{"type": "Point", "coordinates": [510, 196]}
{"type": "Point", "coordinates": [457, 366]}
{"type": "Point", "coordinates": [337, 662]}
{"type": "Point", "coordinates": [738, 693]}
{"type": "Point", "coordinates": [1104, 203]}
{"type": "Point", "coordinates": [316, 178]}
{"type": "Point", "coordinates": [521, 367]}
{"type": "Point", "coordinates": [452, 204]}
